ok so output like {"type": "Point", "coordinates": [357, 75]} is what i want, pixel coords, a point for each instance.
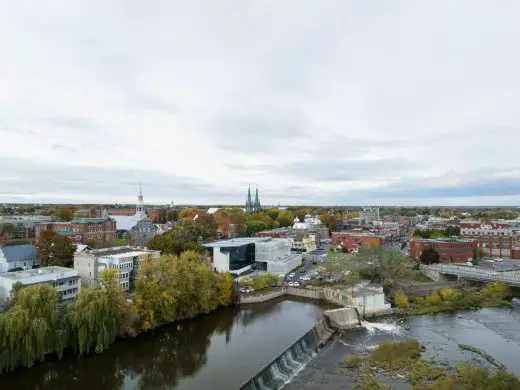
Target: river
{"type": "Point", "coordinates": [222, 350]}
{"type": "Point", "coordinates": [493, 330]}
{"type": "Point", "coordinates": [219, 351]}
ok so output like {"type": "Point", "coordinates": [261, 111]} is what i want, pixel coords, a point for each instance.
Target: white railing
{"type": "Point", "coordinates": [475, 273]}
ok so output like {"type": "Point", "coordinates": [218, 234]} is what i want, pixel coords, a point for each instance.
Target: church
{"type": "Point", "coordinates": [251, 206]}
{"type": "Point", "coordinates": [138, 226]}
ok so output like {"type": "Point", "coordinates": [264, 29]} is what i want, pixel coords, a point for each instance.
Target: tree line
{"type": "Point", "coordinates": [168, 290]}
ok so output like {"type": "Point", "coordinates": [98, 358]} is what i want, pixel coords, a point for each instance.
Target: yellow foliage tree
{"type": "Point", "coordinates": [401, 300]}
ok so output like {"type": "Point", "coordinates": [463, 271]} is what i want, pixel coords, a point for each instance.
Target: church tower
{"type": "Point", "coordinates": [256, 205]}
{"type": "Point", "coordinates": [249, 202]}
{"type": "Point", "coordinates": [139, 207]}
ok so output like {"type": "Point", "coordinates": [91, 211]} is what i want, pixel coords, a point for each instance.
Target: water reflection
{"type": "Point", "coordinates": [160, 359]}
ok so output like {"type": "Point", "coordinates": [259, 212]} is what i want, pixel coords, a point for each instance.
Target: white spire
{"type": "Point", "coordinates": [139, 207]}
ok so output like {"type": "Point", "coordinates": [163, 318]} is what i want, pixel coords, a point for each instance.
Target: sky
{"type": "Point", "coordinates": [315, 102]}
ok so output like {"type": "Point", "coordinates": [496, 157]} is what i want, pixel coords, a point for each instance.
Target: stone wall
{"type": "Point", "coordinates": [344, 318]}
{"type": "Point", "coordinates": [262, 297]}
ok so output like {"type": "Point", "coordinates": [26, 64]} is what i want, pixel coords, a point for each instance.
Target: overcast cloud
{"type": "Point", "coordinates": [316, 102]}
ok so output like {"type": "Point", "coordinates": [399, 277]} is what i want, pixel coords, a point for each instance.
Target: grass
{"type": "Point", "coordinates": [404, 360]}
{"type": "Point", "coordinates": [493, 294]}
{"type": "Point", "coordinates": [353, 361]}
{"type": "Point", "coordinates": [395, 355]}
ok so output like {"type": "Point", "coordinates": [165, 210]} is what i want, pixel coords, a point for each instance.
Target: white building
{"type": "Point", "coordinates": [65, 280]}
{"type": "Point", "coordinates": [17, 257]}
{"type": "Point", "coordinates": [242, 255]}
{"type": "Point", "coordinates": [127, 260]}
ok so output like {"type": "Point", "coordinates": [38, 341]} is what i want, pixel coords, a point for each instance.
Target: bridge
{"type": "Point", "coordinates": [436, 271]}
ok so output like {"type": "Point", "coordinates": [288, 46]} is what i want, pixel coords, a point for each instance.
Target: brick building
{"type": "Point", "coordinates": [497, 241]}
{"type": "Point", "coordinates": [82, 229]}
{"type": "Point", "coordinates": [364, 240]}
{"type": "Point", "coordinates": [449, 249]}
{"type": "Point", "coordinates": [153, 213]}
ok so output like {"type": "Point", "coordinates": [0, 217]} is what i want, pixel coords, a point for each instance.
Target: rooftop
{"type": "Point", "coordinates": [18, 253]}
{"type": "Point", "coordinates": [40, 274]}
{"type": "Point", "coordinates": [236, 242]}
{"type": "Point", "coordinates": [443, 239]}
{"type": "Point", "coordinates": [121, 251]}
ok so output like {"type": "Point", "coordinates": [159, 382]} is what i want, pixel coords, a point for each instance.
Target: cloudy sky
{"type": "Point", "coordinates": [316, 102]}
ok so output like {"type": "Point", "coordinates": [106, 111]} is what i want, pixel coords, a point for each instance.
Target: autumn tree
{"type": "Point", "coordinates": [329, 221]}
{"type": "Point", "coordinates": [63, 213]}
{"type": "Point", "coordinates": [9, 230]}
{"type": "Point", "coordinates": [54, 249]}
{"type": "Point", "coordinates": [285, 219]}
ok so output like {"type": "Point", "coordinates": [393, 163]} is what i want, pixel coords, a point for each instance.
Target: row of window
{"type": "Point", "coordinates": [122, 266]}
{"type": "Point", "coordinates": [125, 275]}
{"type": "Point", "coordinates": [125, 285]}
{"type": "Point", "coordinates": [481, 233]}
{"type": "Point", "coordinates": [69, 291]}
{"type": "Point", "coordinates": [70, 282]}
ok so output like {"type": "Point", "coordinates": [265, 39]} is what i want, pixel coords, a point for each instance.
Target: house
{"type": "Point", "coordinates": [17, 257]}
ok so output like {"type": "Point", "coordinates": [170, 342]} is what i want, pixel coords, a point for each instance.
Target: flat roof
{"type": "Point", "coordinates": [118, 250]}
{"type": "Point", "coordinates": [236, 242]}
{"type": "Point", "coordinates": [443, 239]}
{"type": "Point", "coordinates": [39, 275]}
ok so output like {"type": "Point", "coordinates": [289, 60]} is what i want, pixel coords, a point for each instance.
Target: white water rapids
{"type": "Point", "coordinates": [388, 327]}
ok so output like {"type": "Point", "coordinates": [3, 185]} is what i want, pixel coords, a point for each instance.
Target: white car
{"type": "Point", "coordinates": [306, 278]}
{"type": "Point", "coordinates": [296, 284]}
{"type": "Point", "coordinates": [291, 275]}
{"type": "Point", "coordinates": [291, 284]}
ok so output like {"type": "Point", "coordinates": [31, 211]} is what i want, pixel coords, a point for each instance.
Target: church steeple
{"type": "Point", "coordinates": [256, 205]}
{"type": "Point", "coordinates": [140, 211]}
{"type": "Point", "coordinates": [249, 201]}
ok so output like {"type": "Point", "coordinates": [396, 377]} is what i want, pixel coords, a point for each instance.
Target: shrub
{"type": "Point", "coordinates": [401, 300]}
{"type": "Point", "coordinates": [433, 298]}
{"type": "Point", "coordinates": [418, 300]}
{"type": "Point", "coordinates": [353, 361]}
{"type": "Point", "coordinates": [396, 354]}
{"type": "Point", "coordinates": [421, 370]}
{"type": "Point", "coordinates": [449, 294]}
{"type": "Point", "coordinates": [497, 291]}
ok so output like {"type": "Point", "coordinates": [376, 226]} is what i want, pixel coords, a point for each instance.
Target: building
{"type": "Point", "coordinates": [304, 243]}
{"type": "Point", "coordinates": [82, 229]}
{"type": "Point", "coordinates": [64, 280]}
{"type": "Point", "coordinates": [25, 224]}
{"type": "Point", "coordinates": [137, 224]}
{"type": "Point", "coordinates": [154, 213]}
{"type": "Point", "coordinates": [243, 255]}
{"type": "Point", "coordinates": [17, 257]}
{"type": "Point", "coordinates": [495, 241]}
{"type": "Point", "coordinates": [127, 260]}
{"type": "Point", "coordinates": [251, 206]}
{"type": "Point", "coordinates": [451, 250]}
{"type": "Point", "coordinates": [303, 240]}
{"type": "Point", "coordinates": [369, 215]}
{"type": "Point", "coordinates": [362, 239]}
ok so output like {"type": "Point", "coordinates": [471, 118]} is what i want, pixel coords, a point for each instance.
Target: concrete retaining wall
{"type": "Point", "coordinates": [344, 318]}
{"type": "Point", "coordinates": [262, 297]}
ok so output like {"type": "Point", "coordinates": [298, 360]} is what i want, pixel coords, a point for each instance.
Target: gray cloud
{"type": "Point", "coordinates": [316, 103]}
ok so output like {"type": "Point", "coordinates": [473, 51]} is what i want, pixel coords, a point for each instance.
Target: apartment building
{"type": "Point", "coordinates": [451, 250]}
{"type": "Point", "coordinates": [126, 259]}
{"type": "Point", "coordinates": [497, 241]}
{"type": "Point", "coordinates": [66, 281]}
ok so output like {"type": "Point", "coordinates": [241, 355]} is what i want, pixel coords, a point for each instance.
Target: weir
{"type": "Point", "coordinates": [275, 375]}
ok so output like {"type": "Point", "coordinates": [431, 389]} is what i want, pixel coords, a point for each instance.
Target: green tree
{"type": "Point", "coordinates": [63, 213]}
{"type": "Point", "coordinates": [9, 230]}
{"type": "Point", "coordinates": [430, 256]}
{"type": "Point", "coordinates": [28, 327]}
{"type": "Point", "coordinates": [329, 221]}
{"type": "Point", "coordinates": [285, 219]}
{"type": "Point", "coordinates": [274, 213]}
{"type": "Point", "coordinates": [481, 253]}
{"type": "Point", "coordinates": [54, 249]}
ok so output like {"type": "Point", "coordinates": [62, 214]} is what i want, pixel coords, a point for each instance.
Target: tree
{"type": "Point", "coordinates": [54, 249]}
{"type": "Point", "coordinates": [430, 256]}
{"type": "Point", "coordinates": [285, 219]}
{"type": "Point", "coordinates": [274, 213]}
{"type": "Point", "coordinates": [9, 230]}
{"type": "Point", "coordinates": [452, 231]}
{"type": "Point", "coordinates": [329, 221]}
{"type": "Point", "coordinates": [28, 327]}
{"type": "Point", "coordinates": [481, 253]}
{"type": "Point", "coordinates": [63, 213]}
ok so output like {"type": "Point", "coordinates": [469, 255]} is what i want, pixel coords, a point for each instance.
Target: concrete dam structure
{"type": "Point", "coordinates": [344, 318]}
{"type": "Point", "coordinates": [287, 364]}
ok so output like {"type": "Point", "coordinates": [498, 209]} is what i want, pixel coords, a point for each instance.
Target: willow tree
{"type": "Point", "coordinates": [28, 328]}
{"type": "Point", "coordinates": [98, 315]}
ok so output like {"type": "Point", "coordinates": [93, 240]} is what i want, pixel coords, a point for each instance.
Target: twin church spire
{"type": "Point", "coordinates": [251, 206]}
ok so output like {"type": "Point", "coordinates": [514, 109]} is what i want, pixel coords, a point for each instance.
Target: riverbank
{"type": "Point", "coordinates": [492, 330]}
{"type": "Point", "coordinates": [494, 294]}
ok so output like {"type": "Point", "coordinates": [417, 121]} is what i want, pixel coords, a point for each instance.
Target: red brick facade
{"type": "Point", "coordinates": [361, 239]}
{"type": "Point", "coordinates": [82, 229]}
{"type": "Point", "coordinates": [455, 251]}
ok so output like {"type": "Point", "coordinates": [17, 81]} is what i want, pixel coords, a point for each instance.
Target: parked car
{"type": "Point", "coordinates": [296, 284]}
{"type": "Point", "coordinates": [291, 284]}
